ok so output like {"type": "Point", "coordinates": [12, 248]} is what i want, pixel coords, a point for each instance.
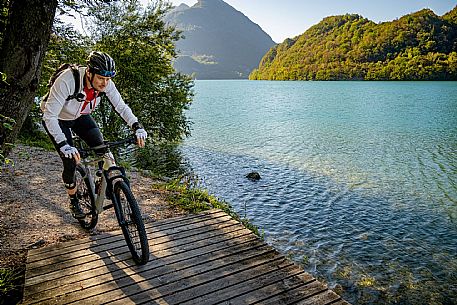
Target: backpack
{"type": "Point", "coordinates": [57, 73]}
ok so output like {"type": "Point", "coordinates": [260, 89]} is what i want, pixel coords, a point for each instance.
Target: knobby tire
{"type": "Point", "coordinates": [131, 222]}
{"type": "Point", "coordinates": [86, 198]}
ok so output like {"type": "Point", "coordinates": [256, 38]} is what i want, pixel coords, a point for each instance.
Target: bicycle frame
{"type": "Point", "coordinates": [110, 173]}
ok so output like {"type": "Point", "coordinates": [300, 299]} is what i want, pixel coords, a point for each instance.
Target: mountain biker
{"type": "Point", "coordinates": [64, 113]}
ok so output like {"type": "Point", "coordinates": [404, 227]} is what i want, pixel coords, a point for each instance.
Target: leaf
{"type": "Point", "coordinates": [3, 78]}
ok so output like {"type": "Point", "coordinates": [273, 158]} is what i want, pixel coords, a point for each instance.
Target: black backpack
{"type": "Point", "coordinates": [75, 70]}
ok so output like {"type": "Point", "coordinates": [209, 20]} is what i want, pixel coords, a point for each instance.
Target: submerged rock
{"type": "Point", "coordinates": [254, 176]}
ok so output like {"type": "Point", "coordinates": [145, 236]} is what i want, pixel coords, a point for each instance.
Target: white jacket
{"type": "Point", "coordinates": [56, 107]}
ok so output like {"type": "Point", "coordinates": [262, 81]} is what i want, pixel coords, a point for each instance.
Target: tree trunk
{"type": "Point", "coordinates": [24, 46]}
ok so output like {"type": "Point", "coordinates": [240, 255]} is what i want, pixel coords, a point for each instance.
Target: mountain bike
{"type": "Point", "coordinates": [98, 178]}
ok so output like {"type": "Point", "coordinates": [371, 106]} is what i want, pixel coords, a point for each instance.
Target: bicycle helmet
{"type": "Point", "coordinates": [101, 63]}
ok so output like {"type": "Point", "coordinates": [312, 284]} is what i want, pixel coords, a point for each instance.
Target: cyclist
{"type": "Point", "coordinates": [64, 113]}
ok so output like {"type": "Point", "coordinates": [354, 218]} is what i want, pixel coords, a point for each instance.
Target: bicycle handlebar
{"type": "Point", "coordinates": [85, 152]}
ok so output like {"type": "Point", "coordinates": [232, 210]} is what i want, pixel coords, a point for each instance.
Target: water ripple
{"type": "Point", "coordinates": [358, 186]}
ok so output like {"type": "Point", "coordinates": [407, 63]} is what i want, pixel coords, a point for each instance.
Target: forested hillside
{"type": "Point", "coordinates": [418, 46]}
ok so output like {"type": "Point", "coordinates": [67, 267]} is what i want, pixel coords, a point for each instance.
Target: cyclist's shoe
{"type": "Point", "coordinates": [76, 210]}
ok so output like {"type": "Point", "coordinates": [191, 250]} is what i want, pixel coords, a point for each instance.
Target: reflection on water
{"type": "Point", "coordinates": [358, 184]}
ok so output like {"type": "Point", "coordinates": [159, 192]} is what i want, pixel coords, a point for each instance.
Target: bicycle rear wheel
{"type": "Point", "coordinates": [131, 222]}
{"type": "Point", "coordinates": [86, 199]}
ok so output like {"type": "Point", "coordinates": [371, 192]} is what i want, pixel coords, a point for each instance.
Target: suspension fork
{"type": "Point", "coordinates": [112, 176]}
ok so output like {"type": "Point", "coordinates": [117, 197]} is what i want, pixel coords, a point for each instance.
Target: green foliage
{"type": "Point", "coordinates": [65, 46]}
{"type": "Point", "coordinates": [143, 48]}
{"type": "Point", "coordinates": [70, 7]}
{"type": "Point", "coordinates": [3, 79]}
{"type": "Point", "coordinates": [419, 46]}
{"type": "Point", "coordinates": [37, 139]}
{"type": "Point", "coordinates": [451, 16]}
{"type": "Point", "coordinates": [9, 283]}
{"type": "Point", "coordinates": [161, 160]}
{"type": "Point", "coordinates": [6, 124]}
{"type": "Point", "coordinates": [186, 193]}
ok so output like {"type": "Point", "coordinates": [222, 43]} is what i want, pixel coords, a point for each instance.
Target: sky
{"type": "Point", "coordinates": [283, 19]}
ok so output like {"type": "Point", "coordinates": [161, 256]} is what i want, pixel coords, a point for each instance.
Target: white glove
{"type": "Point", "coordinates": [69, 151]}
{"type": "Point", "coordinates": [141, 134]}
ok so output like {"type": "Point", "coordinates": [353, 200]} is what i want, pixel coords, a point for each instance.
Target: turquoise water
{"type": "Point", "coordinates": [359, 179]}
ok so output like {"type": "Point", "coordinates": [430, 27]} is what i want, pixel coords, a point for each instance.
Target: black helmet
{"type": "Point", "coordinates": [101, 63]}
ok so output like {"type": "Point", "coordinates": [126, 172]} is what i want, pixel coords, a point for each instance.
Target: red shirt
{"type": "Point", "coordinates": [91, 100]}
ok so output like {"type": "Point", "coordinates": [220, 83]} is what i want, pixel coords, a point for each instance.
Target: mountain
{"type": "Point", "coordinates": [220, 42]}
{"type": "Point", "coordinates": [417, 46]}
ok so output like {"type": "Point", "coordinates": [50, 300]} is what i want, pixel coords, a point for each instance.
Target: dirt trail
{"type": "Point", "coordinates": [34, 207]}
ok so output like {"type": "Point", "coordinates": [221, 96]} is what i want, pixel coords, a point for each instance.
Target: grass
{"type": "Point", "coordinates": [186, 194]}
{"type": "Point", "coordinates": [37, 139]}
{"type": "Point", "coordinates": [10, 284]}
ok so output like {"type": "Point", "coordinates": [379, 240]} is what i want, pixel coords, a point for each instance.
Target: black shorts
{"type": "Point", "coordinates": [87, 129]}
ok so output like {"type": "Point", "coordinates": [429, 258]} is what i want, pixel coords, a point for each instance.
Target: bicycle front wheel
{"type": "Point", "coordinates": [86, 198]}
{"type": "Point", "coordinates": [131, 222]}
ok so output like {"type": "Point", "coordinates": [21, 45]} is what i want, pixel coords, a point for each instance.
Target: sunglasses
{"type": "Point", "coordinates": [106, 73]}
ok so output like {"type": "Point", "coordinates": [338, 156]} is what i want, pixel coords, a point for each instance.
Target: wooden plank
{"type": "Point", "coordinates": [259, 287]}
{"type": "Point", "coordinates": [157, 234]}
{"type": "Point", "coordinates": [95, 276]}
{"type": "Point", "coordinates": [163, 222]}
{"type": "Point", "coordinates": [324, 298]}
{"type": "Point", "coordinates": [178, 254]}
{"type": "Point", "coordinates": [220, 279]}
{"type": "Point", "coordinates": [91, 278]}
{"type": "Point", "coordinates": [295, 292]}
{"type": "Point", "coordinates": [165, 286]}
{"type": "Point", "coordinates": [108, 238]}
{"type": "Point", "coordinates": [92, 253]}
{"type": "Point", "coordinates": [99, 263]}
{"type": "Point", "coordinates": [237, 284]}
{"type": "Point", "coordinates": [198, 259]}
{"type": "Point", "coordinates": [116, 274]}
{"type": "Point", "coordinates": [144, 281]}
{"type": "Point", "coordinates": [99, 257]}
{"type": "Point", "coordinates": [155, 251]}
{"type": "Point", "coordinates": [159, 225]}
{"type": "Point", "coordinates": [157, 248]}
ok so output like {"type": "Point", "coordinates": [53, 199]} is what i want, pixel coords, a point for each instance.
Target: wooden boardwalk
{"type": "Point", "coordinates": [207, 258]}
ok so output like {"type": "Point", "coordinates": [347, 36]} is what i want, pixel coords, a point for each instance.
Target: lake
{"type": "Point", "coordinates": [358, 179]}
